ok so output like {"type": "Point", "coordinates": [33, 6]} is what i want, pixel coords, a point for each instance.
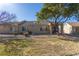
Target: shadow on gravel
{"type": "Point", "coordinates": [74, 38]}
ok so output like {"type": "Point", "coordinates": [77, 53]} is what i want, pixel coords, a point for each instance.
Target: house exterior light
{"type": "Point", "coordinates": [49, 24]}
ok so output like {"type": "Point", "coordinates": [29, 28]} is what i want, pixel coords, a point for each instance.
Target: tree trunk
{"type": "Point", "coordinates": [61, 29]}
{"type": "Point", "coordinates": [56, 29]}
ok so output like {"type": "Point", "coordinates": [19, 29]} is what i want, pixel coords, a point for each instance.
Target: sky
{"type": "Point", "coordinates": [23, 11]}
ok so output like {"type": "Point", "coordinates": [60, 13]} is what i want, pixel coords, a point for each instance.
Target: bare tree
{"type": "Point", "coordinates": [6, 16]}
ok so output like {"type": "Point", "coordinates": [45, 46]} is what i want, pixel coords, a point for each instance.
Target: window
{"type": "Point", "coordinates": [11, 28]}
{"type": "Point", "coordinates": [23, 29]}
{"type": "Point", "coordinates": [41, 29]}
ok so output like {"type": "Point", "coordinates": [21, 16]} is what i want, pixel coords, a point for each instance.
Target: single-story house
{"type": "Point", "coordinates": [6, 28]}
{"type": "Point", "coordinates": [44, 27]}
{"type": "Point", "coordinates": [35, 28]}
{"type": "Point", "coordinates": [25, 26]}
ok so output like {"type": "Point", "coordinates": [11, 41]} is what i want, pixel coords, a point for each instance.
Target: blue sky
{"type": "Point", "coordinates": [23, 11]}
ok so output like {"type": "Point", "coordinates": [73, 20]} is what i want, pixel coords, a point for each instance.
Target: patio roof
{"type": "Point", "coordinates": [74, 24]}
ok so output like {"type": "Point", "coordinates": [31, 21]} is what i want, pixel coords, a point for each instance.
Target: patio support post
{"type": "Point", "coordinates": [50, 28]}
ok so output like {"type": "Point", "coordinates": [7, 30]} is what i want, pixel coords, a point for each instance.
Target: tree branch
{"type": "Point", "coordinates": [67, 18]}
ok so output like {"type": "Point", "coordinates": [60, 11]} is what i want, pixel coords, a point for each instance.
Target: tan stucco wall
{"type": "Point", "coordinates": [4, 28]}
{"type": "Point", "coordinates": [8, 28]}
{"type": "Point", "coordinates": [34, 28]}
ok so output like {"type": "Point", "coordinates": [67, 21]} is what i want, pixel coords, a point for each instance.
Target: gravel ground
{"type": "Point", "coordinates": [38, 36]}
{"type": "Point", "coordinates": [12, 36]}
